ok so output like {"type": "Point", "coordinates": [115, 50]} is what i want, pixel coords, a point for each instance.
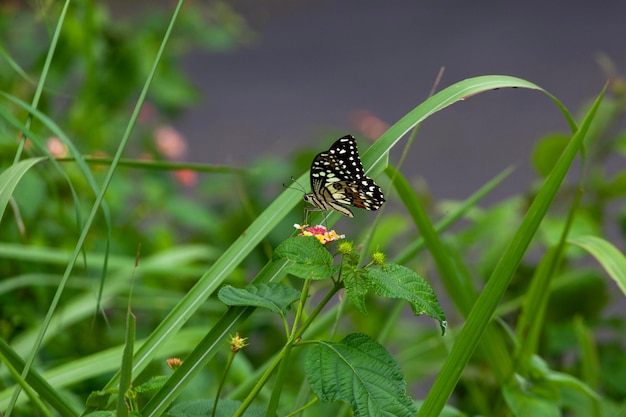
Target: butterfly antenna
{"type": "Point", "coordinates": [299, 188]}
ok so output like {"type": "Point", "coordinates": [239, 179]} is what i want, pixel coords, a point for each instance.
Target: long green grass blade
{"type": "Point", "coordinates": [483, 309]}
{"type": "Point", "coordinates": [36, 381]}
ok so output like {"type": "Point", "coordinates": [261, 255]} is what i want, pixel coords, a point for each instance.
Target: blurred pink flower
{"type": "Point", "coordinates": [147, 113]}
{"type": "Point", "coordinates": [57, 148]}
{"type": "Point", "coordinates": [370, 125]}
{"type": "Point", "coordinates": [186, 177]}
{"type": "Point", "coordinates": [170, 143]}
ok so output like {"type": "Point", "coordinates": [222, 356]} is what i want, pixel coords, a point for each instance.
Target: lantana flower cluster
{"type": "Point", "coordinates": [320, 232]}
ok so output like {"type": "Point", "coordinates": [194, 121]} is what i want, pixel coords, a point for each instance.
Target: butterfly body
{"type": "Point", "coordinates": [338, 181]}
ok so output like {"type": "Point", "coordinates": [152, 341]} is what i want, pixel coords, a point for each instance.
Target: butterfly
{"type": "Point", "coordinates": [338, 181]}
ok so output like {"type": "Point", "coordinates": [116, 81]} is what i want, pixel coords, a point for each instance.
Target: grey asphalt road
{"type": "Point", "coordinates": [315, 63]}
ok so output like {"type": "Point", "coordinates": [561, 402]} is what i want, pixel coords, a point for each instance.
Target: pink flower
{"type": "Point", "coordinates": [186, 177]}
{"type": "Point", "coordinates": [369, 124]}
{"type": "Point", "coordinates": [57, 148]}
{"type": "Point", "coordinates": [174, 363]}
{"type": "Point", "coordinates": [320, 232]}
{"type": "Point", "coordinates": [170, 143]}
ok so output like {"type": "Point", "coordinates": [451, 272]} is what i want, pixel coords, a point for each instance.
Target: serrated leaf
{"type": "Point", "coordinates": [99, 399]}
{"type": "Point", "coordinates": [359, 371]}
{"type": "Point", "coordinates": [357, 285]}
{"type": "Point", "coordinates": [272, 296]}
{"type": "Point", "coordinates": [153, 384]}
{"type": "Point", "coordinates": [204, 408]}
{"type": "Point", "coordinates": [397, 281]}
{"type": "Point", "coordinates": [307, 258]}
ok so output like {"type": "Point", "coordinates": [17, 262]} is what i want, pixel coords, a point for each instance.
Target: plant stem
{"type": "Point", "coordinates": [283, 354]}
{"type": "Point", "coordinates": [219, 388]}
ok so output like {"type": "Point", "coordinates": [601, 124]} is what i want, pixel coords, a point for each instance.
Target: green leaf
{"type": "Point", "coordinates": [482, 312]}
{"type": "Point", "coordinates": [101, 414]}
{"type": "Point", "coordinates": [204, 408]}
{"type": "Point", "coordinates": [527, 402]}
{"type": "Point", "coordinates": [547, 152]}
{"type": "Point", "coordinates": [357, 285]}
{"type": "Point", "coordinates": [361, 372]}
{"type": "Point", "coordinates": [611, 259]}
{"type": "Point", "coordinates": [272, 296]}
{"type": "Point", "coordinates": [397, 281]}
{"type": "Point", "coordinates": [11, 177]}
{"type": "Point", "coordinates": [100, 399]}
{"type": "Point", "coordinates": [127, 364]}
{"type": "Point", "coordinates": [153, 384]}
{"type": "Point", "coordinates": [307, 258]}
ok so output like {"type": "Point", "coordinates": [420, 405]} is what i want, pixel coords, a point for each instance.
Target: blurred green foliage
{"type": "Point", "coordinates": [98, 70]}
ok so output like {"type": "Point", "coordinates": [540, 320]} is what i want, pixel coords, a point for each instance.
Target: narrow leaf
{"type": "Point", "coordinates": [11, 177]}
{"type": "Point", "coordinates": [397, 281]}
{"type": "Point", "coordinates": [524, 403]}
{"type": "Point", "coordinates": [307, 258]}
{"type": "Point", "coordinates": [611, 259]}
{"type": "Point", "coordinates": [482, 311]}
{"type": "Point", "coordinates": [127, 363]}
{"type": "Point", "coordinates": [272, 296]}
{"type": "Point", "coordinates": [359, 371]}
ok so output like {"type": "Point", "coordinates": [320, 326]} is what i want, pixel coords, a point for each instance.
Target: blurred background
{"type": "Point", "coordinates": [318, 69]}
{"type": "Point", "coordinates": [259, 88]}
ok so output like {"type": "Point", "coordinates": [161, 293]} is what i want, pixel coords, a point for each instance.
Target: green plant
{"type": "Point", "coordinates": [71, 247]}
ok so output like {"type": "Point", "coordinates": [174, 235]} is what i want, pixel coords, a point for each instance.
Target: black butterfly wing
{"type": "Point", "coordinates": [337, 176]}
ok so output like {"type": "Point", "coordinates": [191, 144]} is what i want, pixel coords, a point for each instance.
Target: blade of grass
{"type": "Point", "coordinates": [102, 363]}
{"type": "Point", "coordinates": [127, 363]}
{"type": "Point", "coordinates": [11, 177]}
{"type": "Point", "coordinates": [531, 319]}
{"type": "Point", "coordinates": [36, 381]}
{"type": "Point", "coordinates": [159, 165]}
{"type": "Point", "coordinates": [42, 80]}
{"type": "Point", "coordinates": [611, 259]}
{"type": "Point", "coordinates": [483, 309]}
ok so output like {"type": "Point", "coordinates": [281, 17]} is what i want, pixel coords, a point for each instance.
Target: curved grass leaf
{"type": "Point", "coordinates": [611, 259]}
{"type": "Point", "coordinates": [11, 177]}
{"type": "Point", "coordinates": [397, 281]}
{"type": "Point", "coordinates": [272, 296]}
{"type": "Point", "coordinates": [35, 381]}
{"type": "Point", "coordinates": [359, 371]}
